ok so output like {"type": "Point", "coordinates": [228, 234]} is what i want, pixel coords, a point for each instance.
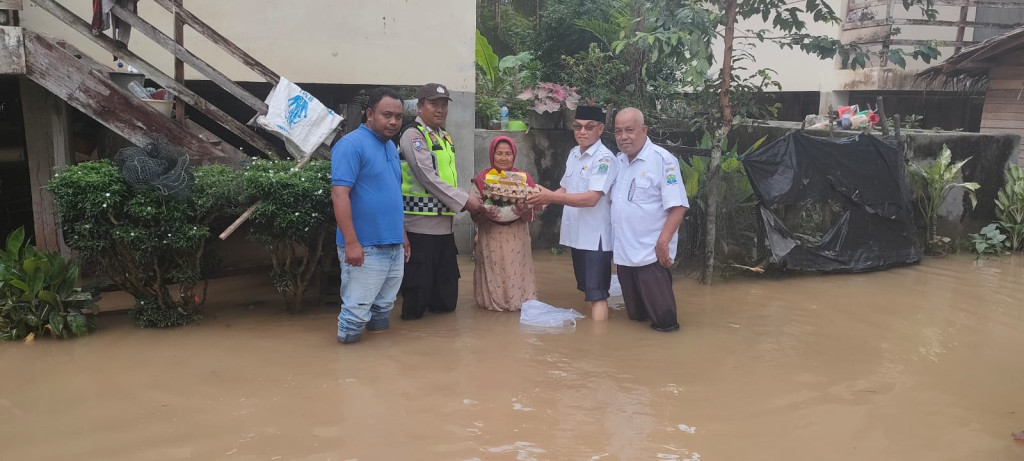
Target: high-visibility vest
{"type": "Point", "coordinates": [416, 199]}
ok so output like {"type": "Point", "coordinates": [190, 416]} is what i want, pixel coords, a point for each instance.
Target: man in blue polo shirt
{"type": "Point", "coordinates": [366, 181]}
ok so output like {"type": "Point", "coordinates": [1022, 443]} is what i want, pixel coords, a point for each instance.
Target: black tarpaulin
{"type": "Point", "coordinates": [861, 173]}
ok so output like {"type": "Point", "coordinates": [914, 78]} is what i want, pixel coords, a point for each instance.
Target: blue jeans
{"type": "Point", "coordinates": [368, 291]}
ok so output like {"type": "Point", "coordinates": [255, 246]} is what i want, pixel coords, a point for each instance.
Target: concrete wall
{"type": "Point", "coordinates": [543, 155]}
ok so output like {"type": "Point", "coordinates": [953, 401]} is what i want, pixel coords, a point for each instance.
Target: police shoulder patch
{"type": "Point", "coordinates": [417, 144]}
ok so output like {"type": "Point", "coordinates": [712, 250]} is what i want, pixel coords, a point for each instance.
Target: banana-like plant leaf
{"type": "Point", "coordinates": [14, 243]}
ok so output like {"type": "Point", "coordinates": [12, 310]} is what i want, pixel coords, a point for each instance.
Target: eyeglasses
{"type": "Point", "coordinates": [587, 127]}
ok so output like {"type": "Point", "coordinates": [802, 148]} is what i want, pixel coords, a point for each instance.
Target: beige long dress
{"type": "Point", "coordinates": [503, 276]}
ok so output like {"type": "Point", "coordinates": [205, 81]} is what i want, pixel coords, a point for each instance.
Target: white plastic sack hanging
{"type": "Point", "coordinates": [538, 314]}
{"type": "Point", "coordinates": [298, 118]}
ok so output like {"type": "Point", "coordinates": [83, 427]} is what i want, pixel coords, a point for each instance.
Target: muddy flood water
{"type": "Point", "coordinates": [917, 363]}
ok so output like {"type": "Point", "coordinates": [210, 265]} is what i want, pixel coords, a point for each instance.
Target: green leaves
{"type": "Point", "coordinates": [485, 56]}
{"type": "Point", "coordinates": [1010, 208]}
{"type": "Point", "coordinates": [294, 220]}
{"type": "Point", "coordinates": [37, 291]}
{"type": "Point", "coordinates": [988, 241]}
{"type": "Point", "coordinates": [138, 238]}
{"type": "Point", "coordinates": [14, 243]}
{"type": "Point", "coordinates": [895, 56]}
{"type": "Point", "coordinates": [933, 183]}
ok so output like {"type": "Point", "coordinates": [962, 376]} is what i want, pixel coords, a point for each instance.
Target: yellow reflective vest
{"type": "Point", "coordinates": [416, 198]}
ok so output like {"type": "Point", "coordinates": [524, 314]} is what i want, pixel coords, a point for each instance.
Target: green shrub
{"type": "Point", "coordinates": [1010, 208]}
{"type": "Point", "coordinates": [988, 241]}
{"type": "Point", "coordinates": [294, 221]}
{"type": "Point", "coordinates": [145, 241]}
{"type": "Point", "coordinates": [932, 184]}
{"type": "Point", "coordinates": [38, 293]}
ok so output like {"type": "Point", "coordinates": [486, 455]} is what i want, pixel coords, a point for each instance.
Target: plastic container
{"type": "Point", "coordinates": [516, 125]}
{"type": "Point", "coordinates": [859, 121]}
{"type": "Point", "coordinates": [122, 79]}
{"type": "Point", "coordinates": [848, 110]}
{"type": "Point", "coordinates": [846, 122]}
{"type": "Point", "coordinates": [504, 117]}
{"type": "Point", "coordinates": [164, 107]}
{"type": "Point", "coordinates": [137, 89]}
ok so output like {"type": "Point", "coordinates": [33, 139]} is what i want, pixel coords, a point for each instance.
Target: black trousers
{"type": "Point", "coordinates": [431, 281]}
{"type": "Point", "coordinates": [647, 291]}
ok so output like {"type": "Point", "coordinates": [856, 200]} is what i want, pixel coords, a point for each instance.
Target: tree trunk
{"type": "Point", "coordinates": [721, 137]}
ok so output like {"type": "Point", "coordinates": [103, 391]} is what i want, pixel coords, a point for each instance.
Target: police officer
{"type": "Point", "coordinates": [431, 199]}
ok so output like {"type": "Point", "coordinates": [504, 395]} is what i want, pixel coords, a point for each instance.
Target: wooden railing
{"type": "Point", "coordinates": [9, 11]}
{"type": "Point", "coordinates": [879, 15]}
{"type": "Point", "coordinates": [183, 56]}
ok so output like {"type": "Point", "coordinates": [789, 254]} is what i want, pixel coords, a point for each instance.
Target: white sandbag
{"type": "Point", "coordinates": [538, 314]}
{"type": "Point", "coordinates": [298, 118]}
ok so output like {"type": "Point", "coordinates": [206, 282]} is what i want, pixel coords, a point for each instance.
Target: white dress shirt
{"type": "Point", "coordinates": [645, 189]}
{"type": "Point", "coordinates": [591, 170]}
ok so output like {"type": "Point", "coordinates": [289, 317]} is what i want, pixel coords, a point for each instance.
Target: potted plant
{"type": "Point", "coordinates": [548, 100]}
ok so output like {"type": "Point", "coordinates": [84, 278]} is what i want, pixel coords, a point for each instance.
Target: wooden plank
{"type": "Point", "coordinates": [48, 143]}
{"type": "Point", "coordinates": [961, 28]}
{"type": "Point", "coordinates": [12, 51]}
{"type": "Point", "coordinates": [1003, 108]}
{"type": "Point", "coordinates": [94, 94]}
{"type": "Point", "coordinates": [16, 5]}
{"type": "Point", "coordinates": [1006, 84]}
{"type": "Point", "coordinates": [1001, 116]}
{"type": "Point", "coordinates": [1012, 96]}
{"type": "Point", "coordinates": [941, 43]}
{"type": "Point", "coordinates": [189, 58]}
{"type": "Point", "coordinates": [78, 54]}
{"type": "Point", "coordinates": [112, 46]}
{"type": "Point", "coordinates": [227, 45]}
{"type": "Point", "coordinates": [1003, 124]}
{"type": "Point", "coordinates": [853, 25]}
{"type": "Point", "coordinates": [937, 23]}
{"type": "Point", "coordinates": [179, 65]}
{"type": "Point", "coordinates": [866, 4]}
{"type": "Point", "coordinates": [867, 35]}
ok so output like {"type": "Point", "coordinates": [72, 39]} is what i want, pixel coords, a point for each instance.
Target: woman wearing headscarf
{"type": "Point", "coordinates": [503, 277]}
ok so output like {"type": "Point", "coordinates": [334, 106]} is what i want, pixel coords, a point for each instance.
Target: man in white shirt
{"type": "Point", "coordinates": [648, 204]}
{"type": "Point", "coordinates": [586, 226]}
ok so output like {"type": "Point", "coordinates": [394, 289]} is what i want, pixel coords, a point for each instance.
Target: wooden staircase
{"type": "Point", "coordinates": [86, 85]}
{"type": "Point", "coordinates": [53, 72]}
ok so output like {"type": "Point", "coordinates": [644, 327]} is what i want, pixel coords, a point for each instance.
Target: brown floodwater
{"type": "Point", "coordinates": [916, 363]}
